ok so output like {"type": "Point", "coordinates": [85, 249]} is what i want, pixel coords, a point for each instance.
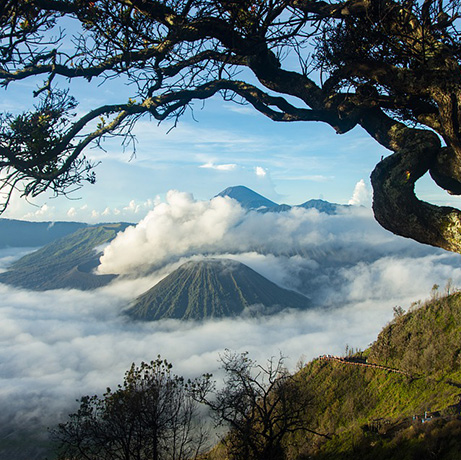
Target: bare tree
{"type": "Point", "coordinates": [260, 406]}
{"type": "Point", "coordinates": [151, 416]}
{"type": "Point", "coordinates": [391, 67]}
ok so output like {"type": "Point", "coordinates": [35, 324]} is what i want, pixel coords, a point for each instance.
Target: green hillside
{"type": "Point", "coordinates": [65, 263]}
{"type": "Point", "coordinates": [212, 288]}
{"type": "Point", "coordinates": [398, 400]}
{"type": "Point", "coordinates": [372, 403]}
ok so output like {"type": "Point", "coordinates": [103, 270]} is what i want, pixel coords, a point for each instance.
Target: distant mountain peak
{"type": "Point", "coordinates": [247, 198]}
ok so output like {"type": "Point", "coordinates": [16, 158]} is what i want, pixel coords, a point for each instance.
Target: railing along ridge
{"type": "Point", "coordinates": [356, 362]}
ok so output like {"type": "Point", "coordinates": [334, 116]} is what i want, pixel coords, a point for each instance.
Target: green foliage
{"type": "Point", "coordinates": [37, 133]}
{"type": "Point", "coordinates": [38, 142]}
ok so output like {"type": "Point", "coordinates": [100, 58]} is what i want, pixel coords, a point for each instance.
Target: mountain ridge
{"type": "Point", "coordinates": [22, 233]}
{"type": "Point", "coordinates": [399, 399]}
{"type": "Point", "coordinates": [65, 263]}
{"type": "Point", "coordinates": [251, 200]}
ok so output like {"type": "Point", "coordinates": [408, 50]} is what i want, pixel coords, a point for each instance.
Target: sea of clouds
{"type": "Point", "coordinates": [58, 345]}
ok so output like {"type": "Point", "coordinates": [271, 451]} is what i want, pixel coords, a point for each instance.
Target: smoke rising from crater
{"type": "Point", "coordinates": [183, 227]}
{"type": "Point", "coordinates": [173, 229]}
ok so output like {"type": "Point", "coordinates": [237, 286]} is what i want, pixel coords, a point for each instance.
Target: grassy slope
{"type": "Point", "coordinates": [347, 400]}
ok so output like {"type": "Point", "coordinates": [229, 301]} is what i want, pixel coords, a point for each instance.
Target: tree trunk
{"type": "Point", "coordinates": [396, 206]}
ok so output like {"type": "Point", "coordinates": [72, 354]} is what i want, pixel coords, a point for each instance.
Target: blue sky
{"type": "Point", "coordinates": [219, 145]}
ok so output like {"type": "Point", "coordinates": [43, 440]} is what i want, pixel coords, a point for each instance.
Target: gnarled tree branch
{"type": "Point", "coordinates": [389, 66]}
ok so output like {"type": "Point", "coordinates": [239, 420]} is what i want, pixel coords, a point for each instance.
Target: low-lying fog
{"type": "Point", "coordinates": [58, 345]}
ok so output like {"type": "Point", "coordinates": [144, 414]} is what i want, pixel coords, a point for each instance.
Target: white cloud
{"type": "Point", "coordinates": [44, 212]}
{"type": "Point", "coordinates": [131, 212]}
{"type": "Point", "coordinates": [222, 167]}
{"type": "Point", "coordinates": [361, 195]}
{"type": "Point", "coordinates": [240, 109]}
{"type": "Point", "coordinates": [131, 206]}
{"type": "Point", "coordinates": [171, 229]}
{"type": "Point", "coordinates": [45, 209]}
{"type": "Point", "coordinates": [133, 209]}
{"type": "Point", "coordinates": [260, 171]}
